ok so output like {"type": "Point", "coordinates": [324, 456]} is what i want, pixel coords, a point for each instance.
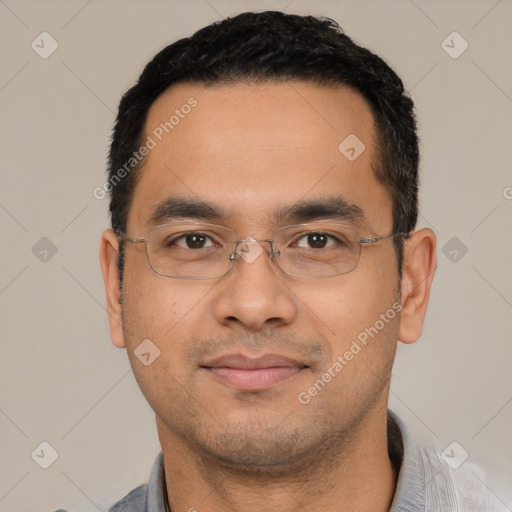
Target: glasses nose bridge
{"type": "Point", "coordinates": [250, 248]}
{"type": "Point", "coordinates": [257, 240]}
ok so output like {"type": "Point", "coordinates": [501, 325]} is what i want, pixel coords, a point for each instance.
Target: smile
{"type": "Point", "coordinates": [253, 374]}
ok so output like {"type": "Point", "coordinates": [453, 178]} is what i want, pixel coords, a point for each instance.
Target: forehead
{"type": "Point", "coordinates": [254, 148]}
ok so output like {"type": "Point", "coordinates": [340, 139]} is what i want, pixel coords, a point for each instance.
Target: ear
{"type": "Point", "coordinates": [109, 249]}
{"type": "Point", "coordinates": [419, 265]}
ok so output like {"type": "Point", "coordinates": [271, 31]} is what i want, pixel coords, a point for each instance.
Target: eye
{"type": "Point", "coordinates": [193, 241]}
{"type": "Point", "coordinates": [316, 241]}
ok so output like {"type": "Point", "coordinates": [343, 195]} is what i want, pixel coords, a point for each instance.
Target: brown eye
{"type": "Point", "coordinates": [195, 241]}
{"type": "Point", "coordinates": [192, 241]}
{"type": "Point", "coordinates": [317, 240]}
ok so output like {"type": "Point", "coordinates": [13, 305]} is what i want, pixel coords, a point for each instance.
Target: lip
{"type": "Point", "coordinates": [253, 373]}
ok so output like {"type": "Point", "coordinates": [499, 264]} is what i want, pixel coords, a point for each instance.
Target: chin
{"type": "Point", "coordinates": [259, 447]}
{"type": "Point", "coordinates": [256, 456]}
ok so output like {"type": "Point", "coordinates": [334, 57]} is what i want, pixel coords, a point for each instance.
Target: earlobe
{"type": "Point", "coordinates": [109, 248]}
{"type": "Point", "coordinates": [419, 265]}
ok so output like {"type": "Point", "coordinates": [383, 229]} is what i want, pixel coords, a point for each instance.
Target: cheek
{"type": "Point", "coordinates": [155, 306]}
{"type": "Point", "coordinates": [361, 328]}
{"type": "Point", "coordinates": [166, 314]}
{"type": "Point", "coordinates": [362, 346]}
{"type": "Point", "coordinates": [347, 304]}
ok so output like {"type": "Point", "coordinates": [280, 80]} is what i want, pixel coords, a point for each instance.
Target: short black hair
{"type": "Point", "coordinates": [275, 47]}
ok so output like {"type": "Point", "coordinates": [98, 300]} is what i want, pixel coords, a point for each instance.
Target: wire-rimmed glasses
{"type": "Point", "coordinates": [194, 250]}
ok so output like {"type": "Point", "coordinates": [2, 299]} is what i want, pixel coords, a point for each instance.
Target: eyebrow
{"type": "Point", "coordinates": [332, 208]}
{"type": "Point", "coordinates": [174, 208]}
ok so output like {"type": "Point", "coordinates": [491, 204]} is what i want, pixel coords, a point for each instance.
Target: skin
{"type": "Point", "coordinates": [252, 149]}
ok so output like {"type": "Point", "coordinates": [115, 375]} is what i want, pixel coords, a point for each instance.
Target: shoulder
{"type": "Point", "coordinates": [134, 501]}
{"type": "Point", "coordinates": [462, 480]}
{"type": "Point", "coordinates": [431, 480]}
{"type": "Point", "coordinates": [147, 497]}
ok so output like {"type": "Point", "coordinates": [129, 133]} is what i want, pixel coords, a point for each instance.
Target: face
{"type": "Point", "coordinates": [257, 367]}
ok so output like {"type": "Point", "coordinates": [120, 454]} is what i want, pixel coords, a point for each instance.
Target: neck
{"type": "Point", "coordinates": [352, 472]}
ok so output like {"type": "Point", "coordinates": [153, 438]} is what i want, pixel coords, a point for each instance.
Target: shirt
{"type": "Point", "coordinates": [427, 482]}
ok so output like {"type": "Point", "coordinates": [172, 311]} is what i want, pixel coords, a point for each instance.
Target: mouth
{"type": "Point", "coordinates": [253, 374]}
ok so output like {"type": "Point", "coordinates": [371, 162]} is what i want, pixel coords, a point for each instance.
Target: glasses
{"type": "Point", "coordinates": [206, 251]}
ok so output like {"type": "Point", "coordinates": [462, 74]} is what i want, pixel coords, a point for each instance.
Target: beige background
{"type": "Point", "coordinates": [61, 379]}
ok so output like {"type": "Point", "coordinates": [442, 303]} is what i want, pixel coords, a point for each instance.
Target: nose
{"type": "Point", "coordinates": [253, 293]}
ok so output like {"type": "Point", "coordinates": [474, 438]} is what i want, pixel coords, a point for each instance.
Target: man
{"type": "Point", "coordinates": [263, 264]}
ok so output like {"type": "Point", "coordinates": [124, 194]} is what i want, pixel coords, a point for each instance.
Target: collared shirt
{"type": "Point", "coordinates": [426, 481]}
